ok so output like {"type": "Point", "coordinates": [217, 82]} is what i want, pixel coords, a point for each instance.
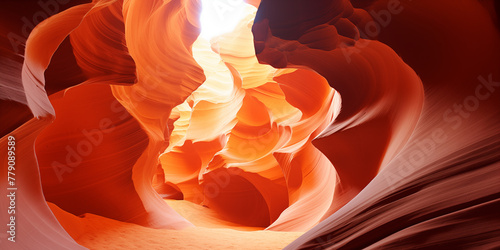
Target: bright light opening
{"type": "Point", "coordinates": [220, 16]}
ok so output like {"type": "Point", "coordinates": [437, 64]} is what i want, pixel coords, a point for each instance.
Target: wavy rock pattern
{"type": "Point", "coordinates": [441, 189]}
{"type": "Point", "coordinates": [305, 118]}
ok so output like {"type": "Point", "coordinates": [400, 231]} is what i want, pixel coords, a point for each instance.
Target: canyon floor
{"type": "Point", "coordinates": [97, 232]}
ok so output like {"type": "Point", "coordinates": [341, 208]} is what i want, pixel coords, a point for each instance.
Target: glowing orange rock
{"type": "Point", "coordinates": [275, 125]}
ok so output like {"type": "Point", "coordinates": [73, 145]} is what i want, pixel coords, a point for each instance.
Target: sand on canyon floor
{"type": "Point", "coordinates": [97, 232]}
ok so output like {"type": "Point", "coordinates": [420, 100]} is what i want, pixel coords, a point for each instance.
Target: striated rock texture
{"type": "Point", "coordinates": [365, 124]}
{"type": "Point", "coordinates": [442, 189]}
{"type": "Point", "coordinates": [382, 97]}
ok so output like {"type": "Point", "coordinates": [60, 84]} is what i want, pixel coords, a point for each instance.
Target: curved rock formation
{"type": "Point", "coordinates": [381, 96]}
{"type": "Point", "coordinates": [441, 190]}
{"type": "Point", "coordinates": [308, 117]}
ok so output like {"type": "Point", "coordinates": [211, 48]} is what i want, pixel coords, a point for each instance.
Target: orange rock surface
{"type": "Point", "coordinates": [156, 137]}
